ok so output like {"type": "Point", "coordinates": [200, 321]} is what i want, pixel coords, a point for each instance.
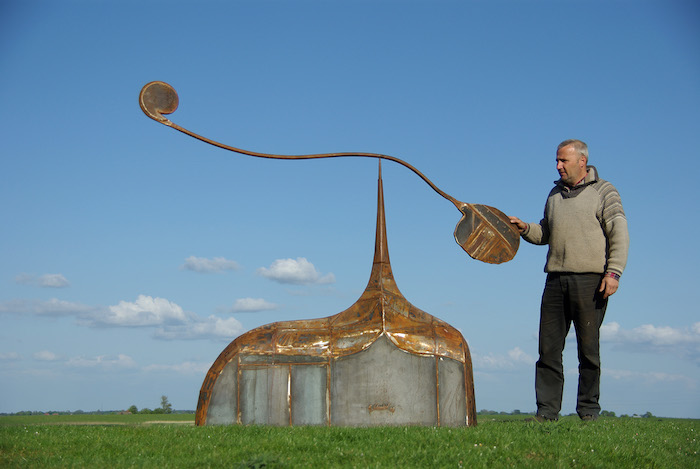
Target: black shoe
{"type": "Point", "coordinates": [589, 418]}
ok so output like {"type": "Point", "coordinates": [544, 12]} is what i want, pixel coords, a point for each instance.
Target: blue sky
{"type": "Point", "coordinates": [132, 254]}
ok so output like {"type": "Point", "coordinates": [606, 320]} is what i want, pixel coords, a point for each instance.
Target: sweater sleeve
{"type": "Point", "coordinates": [614, 223]}
{"type": "Point", "coordinates": [538, 233]}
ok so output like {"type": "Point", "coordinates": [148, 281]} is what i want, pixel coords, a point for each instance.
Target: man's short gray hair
{"type": "Point", "coordinates": [578, 145]}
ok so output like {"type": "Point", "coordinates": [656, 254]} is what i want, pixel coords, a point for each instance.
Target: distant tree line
{"type": "Point", "coordinates": [496, 412]}
{"type": "Point", "coordinates": [604, 413]}
{"type": "Point", "coordinates": [165, 408]}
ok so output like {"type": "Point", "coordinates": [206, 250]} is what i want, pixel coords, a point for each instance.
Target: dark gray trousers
{"type": "Point", "coordinates": [569, 298]}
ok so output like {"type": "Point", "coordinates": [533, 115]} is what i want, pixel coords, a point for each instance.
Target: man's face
{"type": "Point", "coordinates": [571, 165]}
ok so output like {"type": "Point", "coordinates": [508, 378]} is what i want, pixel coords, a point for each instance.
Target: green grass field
{"type": "Point", "coordinates": [172, 441]}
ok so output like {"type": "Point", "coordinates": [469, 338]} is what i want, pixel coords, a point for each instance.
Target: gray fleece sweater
{"type": "Point", "coordinates": [584, 226]}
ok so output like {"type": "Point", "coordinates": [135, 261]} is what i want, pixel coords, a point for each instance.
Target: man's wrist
{"type": "Point", "coordinates": [613, 275]}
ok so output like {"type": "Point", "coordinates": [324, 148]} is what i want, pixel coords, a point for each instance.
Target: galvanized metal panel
{"type": "Point", "coordinates": [453, 406]}
{"type": "Point", "coordinates": [309, 403]}
{"type": "Point", "coordinates": [223, 408]}
{"type": "Point", "coordinates": [264, 395]}
{"type": "Point", "coordinates": [383, 385]}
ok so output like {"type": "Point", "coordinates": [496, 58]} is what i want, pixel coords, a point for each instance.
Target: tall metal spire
{"type": "Point", "coordinates": [381, 249]}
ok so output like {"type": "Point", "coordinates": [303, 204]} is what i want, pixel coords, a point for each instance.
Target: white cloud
{"type": "Point", "coordinates": [171, 321]}
{"type": "Point", "coordinates": [649, 338]}
{"type": "Point", "coordinates": [518, 356]}
{"type": "Point", "coordinates": [44, 281]}
{"type": "Point", "coordinates": [52, 307]}
{"type": "Point", "coordinates": [513, 359]}
{"type": "Point", "coordinates": [145, 311]}
{"type": "Point", "coordinates": [185, 368]}
{"type": "Point", "coordinates": [10, 357]}
{"type": "Point", "coordinates": [298, 272]}
{"type": "Point", "coordinates": [202, 264]}
{"type": "Point", "coordinates": [45, 356]}
{"type": "Point", "coordinates": [251, 305]}
{"type": "Point", "coordinates": [210, 328]}
{"type": "Point", "coordinates": [650, 334]}
{"type": "Point", "coordinates": [53, 281]}
{"type": "Point", "coordinates": [650, 377]}
{"type": "Point", "coordinates": [106, 362]}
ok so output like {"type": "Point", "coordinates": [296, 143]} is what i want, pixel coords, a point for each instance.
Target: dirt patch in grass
{"type": "Point", "coordinates": [83, 423]}
{"type": "Point", "coordinates": [106, 423]}
{"type": "Point", "coordinates": [167, 422]}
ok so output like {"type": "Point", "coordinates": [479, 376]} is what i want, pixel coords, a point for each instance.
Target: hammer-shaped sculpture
{"type": "Point", "coordinates": [484, 232]}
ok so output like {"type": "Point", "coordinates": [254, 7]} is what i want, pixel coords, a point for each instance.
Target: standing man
{"type": "Point", "coordinates": [586, 230]}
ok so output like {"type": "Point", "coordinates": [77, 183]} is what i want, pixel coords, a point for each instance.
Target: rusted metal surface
{"type": "Point", "coordinates": [484, 232]}
{"type": "Point", "coordinates": [331, 356]}
{"type": "Point", "coordinates": [376, 407]}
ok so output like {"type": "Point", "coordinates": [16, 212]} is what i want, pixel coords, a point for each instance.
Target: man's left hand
{"type": "Point", "coordinates": [608, 286]}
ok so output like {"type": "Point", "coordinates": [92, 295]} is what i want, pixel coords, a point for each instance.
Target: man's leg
{"type": "Point", "coordinates": [549, 370]}
{"type": "Point", "coordinates": [588, 309]}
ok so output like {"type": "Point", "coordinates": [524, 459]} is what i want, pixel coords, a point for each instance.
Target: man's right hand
{"type": "Point", "coordinates": [522, 226]}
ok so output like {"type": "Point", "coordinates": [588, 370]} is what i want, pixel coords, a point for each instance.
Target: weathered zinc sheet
{"type": "Point", "coordinates": [382, 385]}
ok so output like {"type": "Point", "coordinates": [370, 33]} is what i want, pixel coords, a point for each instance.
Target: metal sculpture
{"type": "Point", "coordinates": [484, 232]}
{"type": "Point", "coordinates": [380, 362]}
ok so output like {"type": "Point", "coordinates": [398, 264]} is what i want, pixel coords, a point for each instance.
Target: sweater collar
{"type": "Point", "coordinates": [590, 177]}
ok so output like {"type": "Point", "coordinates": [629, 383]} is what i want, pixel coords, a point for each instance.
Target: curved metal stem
{"type": "Point", "coordinates": [456, 202]}
{"type": "Point", "coordinates": [158, 98]}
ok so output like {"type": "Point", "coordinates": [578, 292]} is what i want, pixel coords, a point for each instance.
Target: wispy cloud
{"type": "Point", "coordinates": [683, 342]}
{"type": "Point", "coordinates": [212, 327]}
{"type": "Point", "coordinates": [649, 377]}
{"type": "Point", "coordinates": [252, 305]}
{"type": "Point", "coordinates": [184, 368]}
{"type": "Point", "coordinates": [514, 358]}
{"type": "Point", "coordinates": [103, 362]}
{"type": "Point", "coordinates": [206, 265]}
{"type": "Point", "coordinates": [45, 356]}
{"type": "Point", "coordinates": [297, 271]}
{"type": "Point", "coordinates": [10, 357]}
{"type": "Point", "coordinates": [167, 318]}
{"type": "Point", "coordinates": [43, 281]}
{"type": "Point", "coordinates": [52, 307]}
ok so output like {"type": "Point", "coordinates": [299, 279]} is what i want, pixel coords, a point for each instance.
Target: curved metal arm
{"type": "Point", "coordinates": [484, 232]}
{"type": "Point", "coordinates": [158, 98]}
